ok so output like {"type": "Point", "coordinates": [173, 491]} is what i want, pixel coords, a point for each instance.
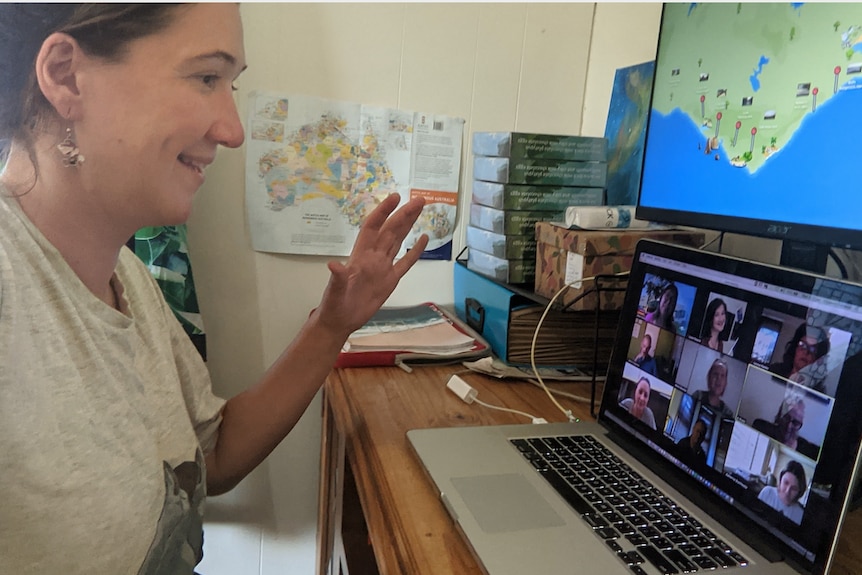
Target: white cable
{"type": "Point", "coordinates": [468, 395]}
{"type": "Point", "coordinates": [533, 418]}
{"type": "Point", "coordinates": [566, 412]}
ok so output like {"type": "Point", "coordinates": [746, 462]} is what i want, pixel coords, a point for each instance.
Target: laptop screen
{"type": "Point", "coordinates": [745, 377]}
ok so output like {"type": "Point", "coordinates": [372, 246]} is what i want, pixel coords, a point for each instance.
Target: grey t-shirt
{"type": "Point", "coordinates": [105, 418]}
{"type": "Point", "coordinates": [769, 495]}
{"type": "Point", "coordinates": [647, 415]}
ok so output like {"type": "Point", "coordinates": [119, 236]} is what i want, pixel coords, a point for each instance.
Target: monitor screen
{"type": "Point", "coordinates": [754, 123]}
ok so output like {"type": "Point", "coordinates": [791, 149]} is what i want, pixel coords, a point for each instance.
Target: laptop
{"type": "Point", "coordinates": [728, 435]}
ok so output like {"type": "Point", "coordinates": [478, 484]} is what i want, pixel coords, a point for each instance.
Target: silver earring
{"type": "Point", "coordinates": [72, 156]}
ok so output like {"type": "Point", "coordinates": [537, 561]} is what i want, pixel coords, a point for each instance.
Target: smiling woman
{"type": "Point", "coordinates": [109, 116]}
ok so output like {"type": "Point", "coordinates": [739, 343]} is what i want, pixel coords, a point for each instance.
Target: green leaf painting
{"type": "Point", "coordinates": [165, 252]}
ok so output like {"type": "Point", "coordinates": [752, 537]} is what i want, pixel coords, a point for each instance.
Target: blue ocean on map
{"type": "Point", "coordinates": [820, 161]}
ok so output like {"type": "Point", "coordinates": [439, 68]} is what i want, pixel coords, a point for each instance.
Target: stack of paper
{"type": "Point", "coordinates": [422, 328]}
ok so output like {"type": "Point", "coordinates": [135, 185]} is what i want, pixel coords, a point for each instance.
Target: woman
{"type": "Point", "coordinates": [785, 497]}
{"type": "Point", "coordinates": [715, 319]}
{"type": "Point", "coordinates": [662, 316]}
{"type": "Point", "coordinates": [716, 384]}
{"type": "Point", "coordinates": [801, 361]}
{"type": "Point", "coordinates": [637, 405]}
{"type": "Point", "coordinates": [109, 430]}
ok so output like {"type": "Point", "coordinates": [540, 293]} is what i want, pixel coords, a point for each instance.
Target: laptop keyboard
{"type": "Point", "coordinates": [636, 520]}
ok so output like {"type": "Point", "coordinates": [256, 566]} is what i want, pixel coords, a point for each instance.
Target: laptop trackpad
{"type": "Point", "coordinates": [504, 503]}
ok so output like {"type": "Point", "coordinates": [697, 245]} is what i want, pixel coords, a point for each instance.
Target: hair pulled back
{"type": "Point", "coordinates": [102, 30]}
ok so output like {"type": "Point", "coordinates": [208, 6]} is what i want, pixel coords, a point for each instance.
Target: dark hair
{"type": "Point", "coordinates": [668, 322]}
{"type": "Point", "coordinates": [709, 315]}
{"type": "Point", "coordinates": [822, 345]}
{"type": "Point", "coordinates": [102, 30]}
{"type": "Point", "coordinates": [798, 471]}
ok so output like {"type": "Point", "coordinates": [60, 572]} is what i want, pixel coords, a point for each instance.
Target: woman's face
{"type": "Point", "coordinates": [717, 380]}
{"type": "Point", "coordinates": [151, 123]}
{"type": "Point", "coordinates": [641, 396]}
{"type": "Point", "coordinates": [788, 488]}
{"type": "Point", "coordinates": [805, 353]}
{"type": "Point", "coordinates": [719, 318]}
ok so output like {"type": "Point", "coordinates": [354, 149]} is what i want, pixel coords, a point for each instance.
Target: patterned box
{"type": "Point", "coordinates": [564, 256]}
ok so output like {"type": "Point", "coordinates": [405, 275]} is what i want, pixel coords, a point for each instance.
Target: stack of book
{"type": "Point", "coordinates": [421, 333]}
{"type": "Point", "coordinates": [520, 179]}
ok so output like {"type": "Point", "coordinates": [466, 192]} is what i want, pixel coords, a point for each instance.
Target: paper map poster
{"type": "Point", "coordinates": [316, 168]}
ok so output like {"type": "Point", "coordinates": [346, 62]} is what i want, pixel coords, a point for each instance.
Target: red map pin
{"type": "Point", "coordinates": [702, 111]}
{"type": "Point", "coordinates": [837, 71]}
{"type": "Point", "coordinates": [814, 99]}
{"type": "Point", "coordinates": [717, 122]}
{"type": "Point", "coordinates": [736, 132]}
{"type": "Point", "coordinates": [753, 133]}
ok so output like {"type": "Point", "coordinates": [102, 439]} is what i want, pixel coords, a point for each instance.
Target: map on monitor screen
{"type": "Point", "coordinates": [755, 111]}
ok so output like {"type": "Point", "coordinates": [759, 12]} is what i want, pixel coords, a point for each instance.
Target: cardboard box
{"type": "Point", "coordinates": [540, 146]}
{"type": "Point", "coordinates": [519, 271]}
{"type": "Point", "coordinates": [501, 245]}
{"type": "Point", "coordinates": [541, 172]}
{"type": "Point", "coordinates": [564, 256]}
{"type": "Point", "coordinates": [524, 197]}
{"type": "Point", "coordinates": [509, 222]}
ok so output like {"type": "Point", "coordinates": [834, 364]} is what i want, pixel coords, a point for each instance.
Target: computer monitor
{"type": "Point", "coordinates": [754, 125]}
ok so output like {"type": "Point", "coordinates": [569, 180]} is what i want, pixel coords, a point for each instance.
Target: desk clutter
{"type": "Point", "coordinates": [415, 334]}
{"type": "Point", "coordinates": [508, 319]}
{"type": "Point", "coordinates": [525, 186]}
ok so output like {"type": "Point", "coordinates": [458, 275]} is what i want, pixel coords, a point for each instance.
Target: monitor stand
{"type": "Point", "coordinates": [804, 256]}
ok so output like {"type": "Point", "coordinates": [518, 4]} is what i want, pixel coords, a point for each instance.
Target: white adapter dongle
{"type": "Point", "coordinates": [462, 389]}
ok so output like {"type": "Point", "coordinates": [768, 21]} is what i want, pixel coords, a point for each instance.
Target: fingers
{"type": "Point", "coordinates": [411, 257]}
{"type": "Point", "coordinates": [398, 225]}
{"type": "Point", "coordinates": [386, 232]}
{"type": "Point", "coordinates": [378, 215]}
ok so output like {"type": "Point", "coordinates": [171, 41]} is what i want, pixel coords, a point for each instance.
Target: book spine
{"type": "Point", "coordinates": [601, 217]}
{"type": "Point", "coordinates": [524, 145]}
{"type": "Point", "coordinates": [540, 172]}
{"type": "Point", "coordinates": [524, 197]}
{"type": "Point", "coordinates": [509, 222]}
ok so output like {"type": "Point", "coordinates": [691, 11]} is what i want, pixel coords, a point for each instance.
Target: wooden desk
{"type": "Point", "coordinates": [378, 511]}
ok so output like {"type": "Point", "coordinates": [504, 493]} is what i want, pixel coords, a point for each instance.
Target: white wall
{"type": "Point", "coordinates": [511, 66]}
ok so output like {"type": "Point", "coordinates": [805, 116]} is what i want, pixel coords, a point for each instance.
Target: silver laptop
{"type": "Point", "coordinates": [728, 435]}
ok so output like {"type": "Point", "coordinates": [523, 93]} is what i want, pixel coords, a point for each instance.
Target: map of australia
{"type": "Point", "coordinates": [745, 95]}
{"type": "Point", "coordinates": [316, 168]}
{"type": "Point", "coordinates": [322, 160]}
